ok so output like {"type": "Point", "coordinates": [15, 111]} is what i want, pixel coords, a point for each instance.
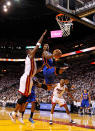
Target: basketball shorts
{"type": "Point", "coordinates": [85, 103]}
{"type": "Point", "coordinates": [22, 100]}
{"type": "Point", "coordinates": [31, 98]}
{"type": "Point", "coordinates": [60, 101]}
{"type": "Point", "coordinates": [49, 75]}
{"type": "Point", "coordinates": [26, 84]}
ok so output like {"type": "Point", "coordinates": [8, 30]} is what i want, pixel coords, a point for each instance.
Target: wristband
{"type": "Point", "coordinates": [38, 44]}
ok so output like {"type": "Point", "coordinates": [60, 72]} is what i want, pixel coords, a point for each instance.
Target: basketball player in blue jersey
{"type": "Point", "coordinates": [85, 101]}
{"type": "Point", "coordinates": [32, 100]}
{"type": "Point", "coordinates": [49, 71]}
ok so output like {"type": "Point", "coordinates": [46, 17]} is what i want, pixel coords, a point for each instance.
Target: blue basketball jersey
{"type": "Point", "coordinates": [48, 70]}
{"type": "Point", "coordinates": [48, 62]}
{"type": "Point", "coordinates": [85, 96]}
{"type": "Point", "coordinates": [85, 100]}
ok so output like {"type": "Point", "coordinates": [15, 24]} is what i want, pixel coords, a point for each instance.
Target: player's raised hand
{"type": "Point", "coordinates": [45, 32]}
{"type": "Point", "coordinates": [42, 36]}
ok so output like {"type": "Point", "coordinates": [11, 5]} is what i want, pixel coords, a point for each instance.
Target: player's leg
{"type": "Point", "coordinates": [62, 103]}
{"type": "Point", "coordinates": [55, 71]}
{"type": "Point", "coordinates": [81, 110]}
{"type": "Point", "coordinates": [21, 112]}
{"type": "Point", "coordinates": [82, 107]}
{"type": "Point", "coordinates": [25, 105]}
{"type": "Point", "coordinates": [23, 108]}
{"type": "Point", "coordinates": [88, 107]}
{"type": "Point", "coordinates": [18, 107]}
{"type": "Point", "coordinates": [68, 113]}
{"type": "Point", "coordinates": [61, 70]}
{"type": "Point", "coordinates": [51, 115]}
{"type": "Point", "coordinates": [22, 99]}
{"type": "Point", "coordinates": [39, 85]}
{"type": "Point", "coordinates": [49, 75]}
{"type": "Point", "coordinates": [53, 101]}
{"type": "Point", "coordinates": [32, 100]}
{"type": "Point", "coordinates": [32, 112]}
{"type": "Point", "coordinates": [94, 109]}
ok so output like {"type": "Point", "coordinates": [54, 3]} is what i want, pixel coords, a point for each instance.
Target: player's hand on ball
{"type": "Point", "coordinates": [57, 53]}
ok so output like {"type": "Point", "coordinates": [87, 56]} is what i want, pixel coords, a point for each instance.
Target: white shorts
{"type": "Point", "coordinates": [60, 101]}
{"type": "Point", "coordinates": [26, 84]}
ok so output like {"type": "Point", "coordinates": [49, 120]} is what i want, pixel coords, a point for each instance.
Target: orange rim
{"type": "Point", "coordinates": [64, 20]}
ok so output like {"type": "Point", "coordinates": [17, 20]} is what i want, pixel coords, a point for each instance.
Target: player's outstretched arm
{"type": "Point", "coordinates": [32, 52]}
{"type": "Point", "coordinates": [46, 55]}
{"type": "Point", "coordinates": [69, 94]}
{"type": "Point", "coordinates": [49, 56]}
{"type": "Point", "coordinates": [40, 69]}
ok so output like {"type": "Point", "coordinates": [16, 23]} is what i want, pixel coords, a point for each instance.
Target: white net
{"type": "Point", "coordinates": [65, 26]}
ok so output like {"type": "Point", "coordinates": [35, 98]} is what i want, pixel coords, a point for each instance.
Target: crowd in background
{"type": "Point", "coordinates": [82, 76]}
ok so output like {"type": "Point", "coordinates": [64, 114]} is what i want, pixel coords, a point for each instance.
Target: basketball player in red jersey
{"type": "Point", "coordinates": [26, 81]}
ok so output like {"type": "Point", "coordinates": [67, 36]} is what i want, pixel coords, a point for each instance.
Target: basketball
{"type": "Point", "coordinates": [57, 53]}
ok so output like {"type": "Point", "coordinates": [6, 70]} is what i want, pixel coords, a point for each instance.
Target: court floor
{"type": "Point", "coordinates": [61, 123]}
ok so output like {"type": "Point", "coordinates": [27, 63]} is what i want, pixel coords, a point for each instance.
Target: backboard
{"type": "Point", "coordinates": [79, 10]}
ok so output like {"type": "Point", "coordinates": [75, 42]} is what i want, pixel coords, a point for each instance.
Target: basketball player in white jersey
{"type": "Point", "coordinates": [26, 81]}
{"type": "Point", "coordinates": [57, 98]}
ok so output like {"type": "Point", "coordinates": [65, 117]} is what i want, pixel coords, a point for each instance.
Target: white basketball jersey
{"type": "Point", "coordinates": [30, 66]}
{"type": "Point", "coordinates": [58, 89]}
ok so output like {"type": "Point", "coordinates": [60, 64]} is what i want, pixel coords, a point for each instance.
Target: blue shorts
{"type": "Point", "coordinates": [49, 75]}
{"type": "Point", "coordinates": [31, 98]}
{"type": "Point", "coordinates": [85, 103]}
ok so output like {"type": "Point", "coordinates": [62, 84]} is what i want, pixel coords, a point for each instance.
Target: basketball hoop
{"type": "Point", "coordinates": [65, 24]}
